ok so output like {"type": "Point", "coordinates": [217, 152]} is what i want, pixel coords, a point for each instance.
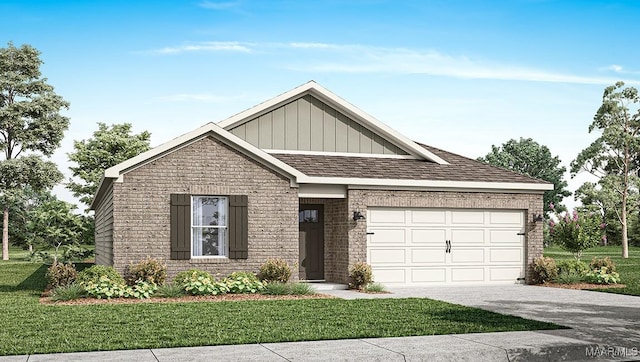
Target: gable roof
{"type": "Point", "coordinates": [430, 168]}
{"type": "Point", "coordinates": [353, 112]}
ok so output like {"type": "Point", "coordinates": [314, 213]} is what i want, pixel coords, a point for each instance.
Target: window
{"type": "Point", "coordinates": [209, 226]}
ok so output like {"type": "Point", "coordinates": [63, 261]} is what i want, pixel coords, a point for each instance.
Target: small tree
{"type": "Point", "coordinates": [577, 232]}
{"type": "Point", "coordinates": [54, 224]}
{"type": "Point", "coordinates": [109, 146]}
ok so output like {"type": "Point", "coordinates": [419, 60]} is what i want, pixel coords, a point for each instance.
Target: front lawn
{"type": "Point", "coordinates": [629, 269]}
{"type": "Point", "coordinates": [27, 327]}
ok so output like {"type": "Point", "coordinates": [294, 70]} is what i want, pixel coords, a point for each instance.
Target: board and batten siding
{"type": "Point", "coordinates": [104, 229]}
{"type": "Point", "coordinates": [308, 124]}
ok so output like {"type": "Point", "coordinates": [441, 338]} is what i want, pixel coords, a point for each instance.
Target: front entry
{"type": "Point", "coordinates": [311, 220]}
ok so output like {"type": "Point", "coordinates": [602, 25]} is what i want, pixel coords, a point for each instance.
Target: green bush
{"type": "Point", "coordinates": [360, 275]}
{"type": "Point", "coordinates": [149, 270]}
{"type": "Point", "coordinates": [96, 272]}
{"type": "Point", "coordinates": [140, 290]}
{"type": "Point", "coordinates": [572, 266]}
{"type": "Point", "coordinates": [603, 276]}
{"type": "Point", "coordinates": [67, 292]}
{"type": "Point", "coordinates": [276, 288]}
{"type": "Point", "coordinates": [577, 232]}
{"type": "Point", "coordinates": [275, 270]}
{"type": "Point", "coordinates": [544, 270]}
{"type": "Point", "coordinates": [60, 275]}
{"type": "Point", "coordinates": [104, 288]}
{"type": "Point", "coordinates": [375, 288]}
{"type": "Point", "coordinates": [302, 289]}
{"type": "Point", "coordinates": [243, 282]}
{"type": "Point", "coordinates": [172, 290]}
{"type": "Point", "coordinates": [598, 263]}
{"type": "Point", "coordinates": [569, 277]}
{"type": "Point", "coordinates": [198, 282]}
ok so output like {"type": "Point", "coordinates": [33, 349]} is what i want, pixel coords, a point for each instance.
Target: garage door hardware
{"type": "Point", "coordinates": [448, 246]}
{"type": "Point", "coordinates": [522, 234]}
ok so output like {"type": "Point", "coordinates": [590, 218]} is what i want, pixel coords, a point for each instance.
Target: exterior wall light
{"type": "Point", "coordinates": [538, 218]}
{"type": "Point", "coordinates": [357, 215]}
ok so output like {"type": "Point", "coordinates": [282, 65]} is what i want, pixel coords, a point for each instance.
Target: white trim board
{"type": "Point", "coordinates": [343, 154]}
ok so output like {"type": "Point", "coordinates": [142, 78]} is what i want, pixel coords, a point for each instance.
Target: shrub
{"type": "Point", "coordinates": [243, 282]}
{"type": "Point", "coordinates": [302, 289]}
{"type": "Point", "coordinates": [104, 288]}
{"type": "Point", "coordinates": [360, 275]}
{"type": "Point", "coordinates": [577, 232]}
{"type": "Point", "coordinates": [67, 292]}
{"type": "Point", "coordinates": [149, 270]}
{"type": "Point", "coordinates": [545, 270]}
{"type": "Point", "coordinates": [172, 290]}
{"type": "Point", "coordinates": [573, 266]}
{"type": "Point", "coordinates": [569, 277]}
{"type": "Point", "coordinates": [603, 275]}
{"type": "Point", "coordinates": [60, 275]}
{"type": "Point", "coordinates": [277, 288]}
{"type": "Point", "coordinates": [598, 263]}
{"type": "Point", "coordinates": [275, 270]}
{"type": "Point", "coordinates": [375, 288]}
{"type": "Point", "coordinates": [140, 290]}
{"type": "Point", "coordinates": [96, 272]}
{"type": "Point", "coordinates": [198, 282]}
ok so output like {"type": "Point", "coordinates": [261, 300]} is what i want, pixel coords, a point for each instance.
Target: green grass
{"type": "Point", "coordinates": [27, 327]}
{"type": "Point", "coordinates": [629, 269]}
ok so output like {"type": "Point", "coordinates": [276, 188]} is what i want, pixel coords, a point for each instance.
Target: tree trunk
{"type": "Point", "coordinates": [5, 234]}
{"type": "Point", "coordinates": [623, 219]}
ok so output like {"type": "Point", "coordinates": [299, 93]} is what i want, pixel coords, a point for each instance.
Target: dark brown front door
{"type": "Point", "coordinates": [311, 221]}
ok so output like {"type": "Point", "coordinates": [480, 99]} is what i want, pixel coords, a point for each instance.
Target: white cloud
{"type": "Point", "coordinates": [212, 46]}
{"type": "Point", "coordinates": [199, 97]}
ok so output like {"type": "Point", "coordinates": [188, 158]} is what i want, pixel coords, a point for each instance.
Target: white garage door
{"type": "Point", "coordinates": [445, 246]}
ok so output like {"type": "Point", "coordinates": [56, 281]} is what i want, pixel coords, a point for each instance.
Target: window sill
{"type": "Point", "coordinates": [221, 260]}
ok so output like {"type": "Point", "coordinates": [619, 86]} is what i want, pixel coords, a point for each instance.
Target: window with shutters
{"type": "Point", "coordinates": [209, 226]}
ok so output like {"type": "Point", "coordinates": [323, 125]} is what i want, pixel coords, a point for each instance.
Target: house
{"type": "Point", "coordinates": [310, 178]}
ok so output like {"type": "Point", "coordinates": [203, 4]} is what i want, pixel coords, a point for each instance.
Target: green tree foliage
{"type": "Point", "coordinates": [109, 146]}
{"type": "Point", "coordinates": [20, 210]}
{"type": "Point", "coordinates": [30, 126]}
{"type": "Point", "coordinates": [530, 158]}
{"type": "Point", "coordinates": [577, 232]}
{"type": "Point", "coordinates": [612, 156]}
{"type": "Point", "coordinates": [53, 224]}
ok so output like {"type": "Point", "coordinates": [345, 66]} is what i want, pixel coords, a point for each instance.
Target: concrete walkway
{"type": "Point", "coordinates": [605, 327]}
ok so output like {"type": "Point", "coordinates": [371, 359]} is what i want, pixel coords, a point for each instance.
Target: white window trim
{"type": "Point", "coordinates": [225, 227]}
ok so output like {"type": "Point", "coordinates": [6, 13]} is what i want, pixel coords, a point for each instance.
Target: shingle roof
{"type": "Point", "coordinates": [459, 168]}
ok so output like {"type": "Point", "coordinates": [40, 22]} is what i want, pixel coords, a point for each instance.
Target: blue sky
{"type": "Point", "coordinates": [459, 75]}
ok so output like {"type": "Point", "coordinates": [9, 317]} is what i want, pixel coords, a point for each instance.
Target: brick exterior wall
{"type": "Point", "coordinates": [141, 212]}
{"type": "Point", "coordinates": [361, 199]}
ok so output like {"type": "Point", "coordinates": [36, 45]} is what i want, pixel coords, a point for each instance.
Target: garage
{"type": "Point", "coordinates": [422, 246]}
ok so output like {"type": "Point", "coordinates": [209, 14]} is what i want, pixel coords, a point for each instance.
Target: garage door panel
{"type": "Point", "coordinates": [431, 275]}
{"type": "Point", "coordinates": [463, 255]}
{"type": "Point", "coordinates": [428, 256]}
{"type": "Point", "coordinates": [387, 216]}
{"type": "Point", "coordinates": [467, 217]}
{"type": "Point", "coordinates": [387, 256]}
{"type": "Point", "coordinates": [465, 275]}
{"type": "Point", "coordinates": [467, 236]}
{"type": "Point", "coordinates": [388, 236]}
{"type": "Point", "coordinates": [506, 218]}
{"type": "Point", "coordinates": [428, 236]}
{"type": "Point", "coordinates": [511, 255]}
{"type": "Point", "coordinates": [389, 276]}
{"type": "Point", "coordinates": [428, 217]}
{"type": "Point", "coordinates": [504, 236]}
{"type": "Point", "coordinates": [505, 274]}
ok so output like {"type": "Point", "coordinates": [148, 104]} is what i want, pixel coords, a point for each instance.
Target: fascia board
{"type": "Point", "coordinates": [390, 183]}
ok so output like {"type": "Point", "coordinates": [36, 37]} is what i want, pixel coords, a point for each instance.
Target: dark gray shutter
{"type": "Point", "coordinates": [238, 227]}
{"type": "Point", "coordinates": [180, 226]}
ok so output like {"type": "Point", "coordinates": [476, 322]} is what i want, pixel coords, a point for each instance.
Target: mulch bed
{"type": "Point", "coordinates": [583, 286]}
{"type": "Point", "coordinates": [185, 299]}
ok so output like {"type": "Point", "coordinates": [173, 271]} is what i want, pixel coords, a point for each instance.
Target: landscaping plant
{"type": "Point", "coordinates": [198, 282]}
{"type": "Point", "coordinates": [243, 282]}
{"type": "Point", "coordinates": [545, 270]}
{"type": "Point", "coordinates": [60, 275]}
{"type": "Point", "coordinates": [149, 270]}
{"type": "Point", "coordinates": [577, 232]}
{"type": "Point", "coordinates": [360, 275]}
{"type": "Point", "coordinates": [275, 270]}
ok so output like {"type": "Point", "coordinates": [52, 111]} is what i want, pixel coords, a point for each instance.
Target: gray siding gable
{"type": "Point", "coordinates": [308, 124]}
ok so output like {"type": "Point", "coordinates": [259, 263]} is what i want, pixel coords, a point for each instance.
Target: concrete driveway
{"type": "Point", "coordinates": [609, 320]}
